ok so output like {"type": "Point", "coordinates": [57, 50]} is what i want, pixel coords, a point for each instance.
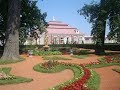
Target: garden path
{"type": "Point", "coordinates": [42, 81]}
{"type": "Point", "coordinates": [110, 80]}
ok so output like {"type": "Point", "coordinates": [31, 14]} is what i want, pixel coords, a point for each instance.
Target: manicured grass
{"type": "Point", "coordinates": [102, 65]}
{"type": "Point", "coordinates": [117, 70]}
{"type": "Point", "coordinates": [79, 56]}
{"type": "Point", "coordinates": [41, 53]}
{"type": "Point", "coordinates": [94, 81]}
{"type": "Point", "coordinates": [55, 58]}
{"type": "Point", "coordinates": [101, 60]}
{"type": "Point", "coordinates": [11, 79]}
{"type": "Point", "coordinates": [2, 62]}
{"type": "Point", "coordinates": [77, 70]}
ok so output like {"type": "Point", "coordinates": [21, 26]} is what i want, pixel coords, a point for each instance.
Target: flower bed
{"type": "Point", "coordinates": [103, 62]}
{"type": "Point", "coordinates": [81, 75]}
{"type": "Point", "coordinates": [79, 84]}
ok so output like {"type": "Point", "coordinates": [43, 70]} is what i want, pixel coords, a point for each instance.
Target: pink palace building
{"type": "Point", "coordinates": [62, 33]}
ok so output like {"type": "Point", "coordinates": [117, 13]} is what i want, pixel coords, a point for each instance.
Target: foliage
{"type": "Point", "coordinates": [3, 19]}
{"type": "Point", "coordinates": [116, 57]}
{"type": "Point", "coordinates": [36, 52]}
{"type": "Point", "coordinates": [101, 60]}
{"type": "Point", "coordinates": [22, 35]}
{"type": "Point", "coordinates": [98, 14]}
{"type": "Point", "coordinates": [55, 58]}
{"type": "Point", "coordinates": [78, 51]}
{"type": "Point", "coordinates": [11, 79]}
{"type": "Point", "coordinates": [32, 19]}
{"type": "Point", "coordinates": [102, 65]}
{"type": "Point", "coordinates": [79, 56]}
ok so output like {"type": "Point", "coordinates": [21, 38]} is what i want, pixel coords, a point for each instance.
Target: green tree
{"type": "Point", "coordinates": [98, 14]}
{"type": "Point", "coordinates": [114, 20]}
{"type": "Point", "coordinates": [30, 18]}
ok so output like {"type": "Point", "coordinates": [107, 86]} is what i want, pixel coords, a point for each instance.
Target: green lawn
{"type": "Point", "coordinates": [11, 79]}
{"type": "Point", "coordinates": [2, 62]}
{"type": "Point", "coordinates": [55, 58]}
{"type": "Point", "coordinates": [79, 56]}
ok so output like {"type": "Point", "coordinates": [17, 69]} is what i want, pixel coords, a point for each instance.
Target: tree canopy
{"type": "Point", "coordinates": [31, 16]}
{"type": "Point", "coordinates": [100, 14]}
{"type": "Point", "coordinates": [17, 19]}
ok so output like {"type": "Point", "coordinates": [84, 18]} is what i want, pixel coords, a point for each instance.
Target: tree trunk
{"type": "Point", "coordinates": [11, 49]}
{"type": "Point", "coordinates": [99, 49]}
{"type": "Point", "coordinates": [102, 24]}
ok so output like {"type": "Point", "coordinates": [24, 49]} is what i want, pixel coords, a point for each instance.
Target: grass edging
{"type": "Point", "coordinates": [94, 81]}
{"type": "Point", "coordinates": [3, 62]}
{"type": "Point", "coordinates": [79, 56]}
{"type": "Point", "coordinates": [102, 65]}
{"type": "Point", "coordinates": [14, 79]}
{"type": "Point", "coordinates": [55, 58]}
{"type": "Point", "coordinates": [77, 70]}
{"type": "Point", "coordinates": [116, 70]}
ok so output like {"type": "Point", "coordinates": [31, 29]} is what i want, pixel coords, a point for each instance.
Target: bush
{"type": "Point", "coordinates": [79, 56]}
{"type": "Point", "coordinates": [36, 52]}
{"type": "Point", "coordinates": [55, 58]}
{"type": "Point", "coordinates": [77, 51]}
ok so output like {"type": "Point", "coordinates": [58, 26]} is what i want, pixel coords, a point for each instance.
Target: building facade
{"type": "Point", "coordinates": [58, 32]}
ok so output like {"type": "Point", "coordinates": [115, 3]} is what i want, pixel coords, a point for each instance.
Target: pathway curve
{"type": "Point", "coordinates": [110, 80]}
{"type": "Point", "coordinates": [41, 81]}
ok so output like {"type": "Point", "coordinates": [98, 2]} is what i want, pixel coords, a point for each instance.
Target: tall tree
{"type": "Point", "coordinates": [30, 16]}
{"type": "Point", "coordinates": [114, 19]}
{"type": "Point", "coordinates": [98, 14]}
{"type": "Point", "coordinates": [31, 19]}
{"type": "Point", "coordinates": [11, 49]}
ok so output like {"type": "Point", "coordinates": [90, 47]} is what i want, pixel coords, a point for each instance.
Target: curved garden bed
{"type": "Point", "coordinates": [81, 78]}
{"type": "Point", "coordinates": [7, 78]}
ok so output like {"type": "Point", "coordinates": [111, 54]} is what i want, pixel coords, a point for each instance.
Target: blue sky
{"type": "Point", "coordinates": [66, 11]}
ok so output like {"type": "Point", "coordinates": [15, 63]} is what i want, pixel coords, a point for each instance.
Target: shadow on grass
{"type": "Point", "coordinates": [3, 62]}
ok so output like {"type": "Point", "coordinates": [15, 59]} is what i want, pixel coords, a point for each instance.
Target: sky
{"type": "Point", "coordinates": [66, 11]}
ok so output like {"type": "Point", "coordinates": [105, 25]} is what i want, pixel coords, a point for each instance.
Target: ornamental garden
{"type": "Point", "coordinates": [60, 59]}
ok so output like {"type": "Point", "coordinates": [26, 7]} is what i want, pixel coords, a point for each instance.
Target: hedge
{"type": "Point", "coordinates": [108, 46]}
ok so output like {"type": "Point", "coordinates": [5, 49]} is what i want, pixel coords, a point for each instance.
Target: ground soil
{"type": "Point", "coordinates": [110, 80]}
{"type": "Point", "coordinates": [42, 81]}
